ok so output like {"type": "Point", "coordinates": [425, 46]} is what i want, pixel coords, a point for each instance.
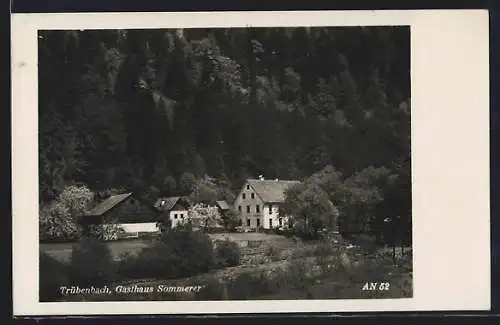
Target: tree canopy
{"type": "Point", "coordinates": [156, 110]}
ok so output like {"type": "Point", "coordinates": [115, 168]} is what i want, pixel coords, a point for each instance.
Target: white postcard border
{"type": "Point", "coordinates": [450, 157]}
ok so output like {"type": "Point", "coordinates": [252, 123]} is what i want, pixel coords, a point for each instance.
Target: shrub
{"type": "Point", "coordinates": [324, 264]}
{"type": "Point", "coordinates": [189, 252]}
{"type": "Point", "coordinates": [244, 286]}
{"type": "Point", "coordinates": [164, 223]}
{"type": "Point", "coordinates": [287, 232]}
{"type": "Point", "coordinates": [56, 224]}
{"type": "Point", "coordinates": [207, 216]}
{"type": "Point", "coordinates": [58, 219]}
{"type": "Point", "coordinates": [301, 251]}
{"type": "Point", "coordinates": [273, 252]}
{"type": "Point", "coordinates": [214, 230]}
{"type": "Point", "coordinates": [105, 231]}
{"type": "Point", "coordinates": [151, 262]}
{"type": "Point", "coordinates": [323, 249]}
{"type": "Point", "coordinates": [275, 281]}
{"type": "Point", "coordinates": [330, 259]}
{"type": "Point", "coordinates": [91, 263]}
{"type": "Point", "coordinates": [53, 274]}
{"type": "Point", "coordinates": [228, 253]}
{"type": "Point", "coordinates": [257, 260]}
{"type": "Point", "coordinates": [298, 274]}
{"type": "Point", "coordinates": [179, 252]}
{"type": "Point", "coordinates": [268, 284]}
{"type": "Point", "coordinates": [402, 285]}
{"type": "Point", "coordinates": [213, 290]}
{"type": "Point", "coordinates": [248, 285]}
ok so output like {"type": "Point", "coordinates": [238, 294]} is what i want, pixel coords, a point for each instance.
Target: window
{"type": "Point", "coordinates": [182, 215]}
{"type": "Point", "coordinates": [248, 209]}
{"type": "Point", "coordinates": [257, 208]}
{"type": "Point", "coordinates": [270, 209]}
{"type": "Point", "coordinates": [175, 216]}
{"type": "Point", "coordinates": [239, 208]}
{"type": "Point", "coordinates": [252, 196]}
{"type": "Point", "coordinates": [243, 196]}
{"type": "Point", "coordinates": [248, 222]}
{"type": "Point", "coordinates": [270, 223]}
{"type": "Point", "coordinates": [280, 221]}
{"type": "Point", "coordinates": [258, 222]}
{"type": "Point", "coordinates": [240, 222]}
{"type": "Point", "coordinates": [248, 187]}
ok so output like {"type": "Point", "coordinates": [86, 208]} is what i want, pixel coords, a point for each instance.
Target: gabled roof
{"type": "Point", "coordinates": [272, 191]}
{"type": "Point", "coordinates": [223, 205]}
{"type": "Point", "coordinates": [108, 204]}
{"type": "Point", "coordinates": [167, 203]}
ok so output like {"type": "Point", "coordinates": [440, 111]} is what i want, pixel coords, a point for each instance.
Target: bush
{"type": "Point", "coordinates": [269, 284]}
{"type": "Point", "coordinates": [179, 252]}
{"type": "Point", "coordinates": [228, 253]}
{"type": "Point", "coordinates": [213, 290]}
{"type": "Point", "coordinates": [151, 262]}
{"type": "Point", "coordinates": [287, 232]}
{"type": "Point", "coordinates": [131, 266]}
{"type": "Point", "coordinates": [302, 251]}
{"type": "Point", "coordinates": [105, 231]}
{"type": "Point", "coordinates": [91, 263]}
{"type": "Point", "coordinates": [231, 220]}
{"type": "Point", "coordinates": [189, 252]}
{"type": "Point", "coordinates": [298, 274]}
{"type": "Point", "coordinates": [244, 286]}
{"type": "Point", "coordinates": [274, 253]}
{"type": "Point", "coordinates": [214, 230]}
{"type": "Point", "coordinates": [402, 285]}
{"type": "Point", "coordinates": [323, 249]}
{"type": "Point", "coordinates": [330, 259]}
{"type": "Point", "coordinates": [53, 274]}
{"type": "Point", "coordinates": [57, 225]}
{"type": "Point", "coordinates": [57, 220]}
{"type": "Point", "coordinates": [248, 285]}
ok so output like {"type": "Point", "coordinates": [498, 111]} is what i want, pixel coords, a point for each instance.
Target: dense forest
{"type": "Point", "coordinates": [158, 109]}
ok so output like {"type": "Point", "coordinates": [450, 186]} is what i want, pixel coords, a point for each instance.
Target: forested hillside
{"type": "Point", "coordinates": [142, 109]}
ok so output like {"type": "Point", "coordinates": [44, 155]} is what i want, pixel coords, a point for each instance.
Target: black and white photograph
{"type": "Point", "coordinates": [243, 163]}
{"type": "Point", "coordinates": [225, 163]}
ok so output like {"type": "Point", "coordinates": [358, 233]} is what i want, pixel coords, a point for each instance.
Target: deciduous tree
{"type": "Point", "coordinates": [58, 220]}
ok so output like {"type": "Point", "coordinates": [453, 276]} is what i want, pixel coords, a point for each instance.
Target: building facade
{"type": "Point", "coordinates": [130, 215]}
{"type": "Point", "coordinates": [175, 208]}
{"type": "Point", "coordinates": [259, 201]}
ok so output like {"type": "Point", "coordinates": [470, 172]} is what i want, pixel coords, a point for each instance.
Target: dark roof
{"type": "Point", "coordinates": [108, 204]}
{"type": "Point", "coordinates": [271, 190]}
{"type": "Point", "coordinates": [223, 205]}
{"type": "Point", "coordinates": [167, 203]}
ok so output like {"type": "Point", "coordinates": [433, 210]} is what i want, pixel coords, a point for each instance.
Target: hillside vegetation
{"type": "Point", "coordinates": [154, 111]}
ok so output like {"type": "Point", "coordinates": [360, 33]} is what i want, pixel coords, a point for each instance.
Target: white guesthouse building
{"type": "Point", "coordinates": [258, 203]}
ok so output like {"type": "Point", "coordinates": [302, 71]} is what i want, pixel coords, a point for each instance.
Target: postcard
{"type": "Point", "coordinates": [250, 162]}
